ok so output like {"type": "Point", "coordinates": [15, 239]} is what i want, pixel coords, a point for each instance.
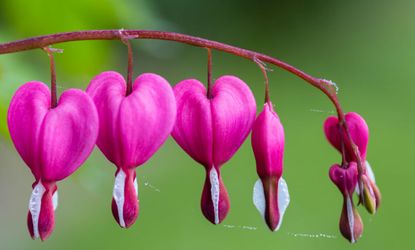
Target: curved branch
{"type": "Point", "coordinates": [43, 41]}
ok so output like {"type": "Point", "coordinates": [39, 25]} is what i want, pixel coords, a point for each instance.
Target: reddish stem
{"type": "Point", "coordinates": [209, 74]}
{"type": "Point", "coordinates": [264, 72]}
{"type": "Point", "coordinates": [126, 40]}
{"type": "Point", "coordinates": [53, 91]}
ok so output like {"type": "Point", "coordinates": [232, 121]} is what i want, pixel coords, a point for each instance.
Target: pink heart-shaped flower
{"type": "Point", "coordinates": [132, 129]}
{"type": "Point", "coordinates": [52, 142]}
{"type": "Point", "coordinates": [211, 130]}
{"type": "Point", "coordinates": [359, 132]}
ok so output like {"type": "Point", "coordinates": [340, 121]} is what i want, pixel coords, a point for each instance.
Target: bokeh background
{"type": "Point", "coordinates": [366, 47]}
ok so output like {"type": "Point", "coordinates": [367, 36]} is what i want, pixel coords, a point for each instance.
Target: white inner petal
{"type": "Point", "coordinates": [55, 200]}
{"type": "Point", "coordinates": [136, 186]}
{"type": "Point", "coordinates": [214, 192]}
{"type": "Point", "coordinates": [35, 204]}
{"type": "Point", "coordinates": [370, 172]}
{"type": "Point", "coordinates": [283, 198]}
{"type": "Point", "coordinates": [350, 217]}
{"type": "Point", "coordinates": [259, 197]}
{"type": "Point", "coordinates": [118, 195]}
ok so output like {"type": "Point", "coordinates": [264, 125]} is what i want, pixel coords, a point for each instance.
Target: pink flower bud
{"type": "Point", "coordinates": [52, 142]}
{"type": "Point", "coordinates": [270, 192]}
{"type": "Point", "coordinates": [131, 129]}
{"type": "Point", "coordinates": [351, 225]}
{"type": "Point", "coordinates": [211, 129]}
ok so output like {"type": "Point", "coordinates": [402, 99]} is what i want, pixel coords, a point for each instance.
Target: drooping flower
{"type": "Point", "coordinates": [53, 142]}
{"type": "Point", "coordinates": [211, 129]}
{"type": "Point", "coordinates": [132, 128]}
{"type": "Point", "coordinates": [351, 225]}
{"type": "Point", "coordinates": [359, 133]}
{"type": "Point", "coordinates": [271, 195]}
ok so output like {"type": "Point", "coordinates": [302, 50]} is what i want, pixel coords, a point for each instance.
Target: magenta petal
{"type": "Point", "coordinates": [27, 109]}
{"type": "Point", "coordinates": [193, 128]}
{"type": "Point", "coordinates": [268, 143]}
{"type": "Point", "coordinates": [358, 129]}
{"type": "Point", "coordinates": [212, 130]}
{"type": "Point", "coordinates": [52, 142]}
{"type": "Point", "coordinates": [233, 113]}
{"type": "Point", "coordinates": [133, 127]}
{"type": "Point", "coordinates": [68, 134]}
{"type": "Point", "coordinates": [344, 178]}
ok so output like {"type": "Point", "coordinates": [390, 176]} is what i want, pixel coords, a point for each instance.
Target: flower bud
{"type": "Point", "coordinates": [351, 225]}
{"type": "Point", "coordinates": [371, 193]}
{"type": "Point", "coordinates": [270, 192]}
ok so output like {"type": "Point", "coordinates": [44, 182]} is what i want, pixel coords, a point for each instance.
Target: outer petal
{"type": "Point", "coordinates": [268, 143]}
{"type": "Point", "coordinates": [107, 91]}
{"type": "Point", "coordinates": [52, 142]}
{"type": "Point", "coordinates": [358, 129]}
{"type": "Point", "coordinates": [146, 118]}
{"type": "Point", "coordinates": [193, 130]}
{"type": "Point", "coordinates": [233, 113]}
{"type": "Point", "coordinates": [211, 130]}
{"type": "Point", "coordinates": [344, 178]}
{"type": "Point", "coordinates": [68, 135]}
{"type": "Point", "coordinates": [26, 112]}
{"type": "Point", "coordinates": [132, 127]}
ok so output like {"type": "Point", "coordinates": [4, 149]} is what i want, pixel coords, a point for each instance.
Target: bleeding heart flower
{"type": "Point", "coordinates": [53, 142]}
{"type": "Point", "coordinates": [359, 132]}
{"type": "Point", "coordinates": [132, 129]}
{"type": "Point", "coordinates": [351, 225]}
{"type": "Point", "coordinates": [271, 196]}
{"type": "Point", "coordinates": [211, 129]}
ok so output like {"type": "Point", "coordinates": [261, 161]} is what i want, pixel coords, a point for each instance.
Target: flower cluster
{"type": "Point", "coordinates": [351, 140]}
{"type": "Point", "coordinates": [210, 125]}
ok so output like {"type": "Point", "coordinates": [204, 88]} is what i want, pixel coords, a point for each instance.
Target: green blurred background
{"type": "Point", "coordinates": [366, 47]}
